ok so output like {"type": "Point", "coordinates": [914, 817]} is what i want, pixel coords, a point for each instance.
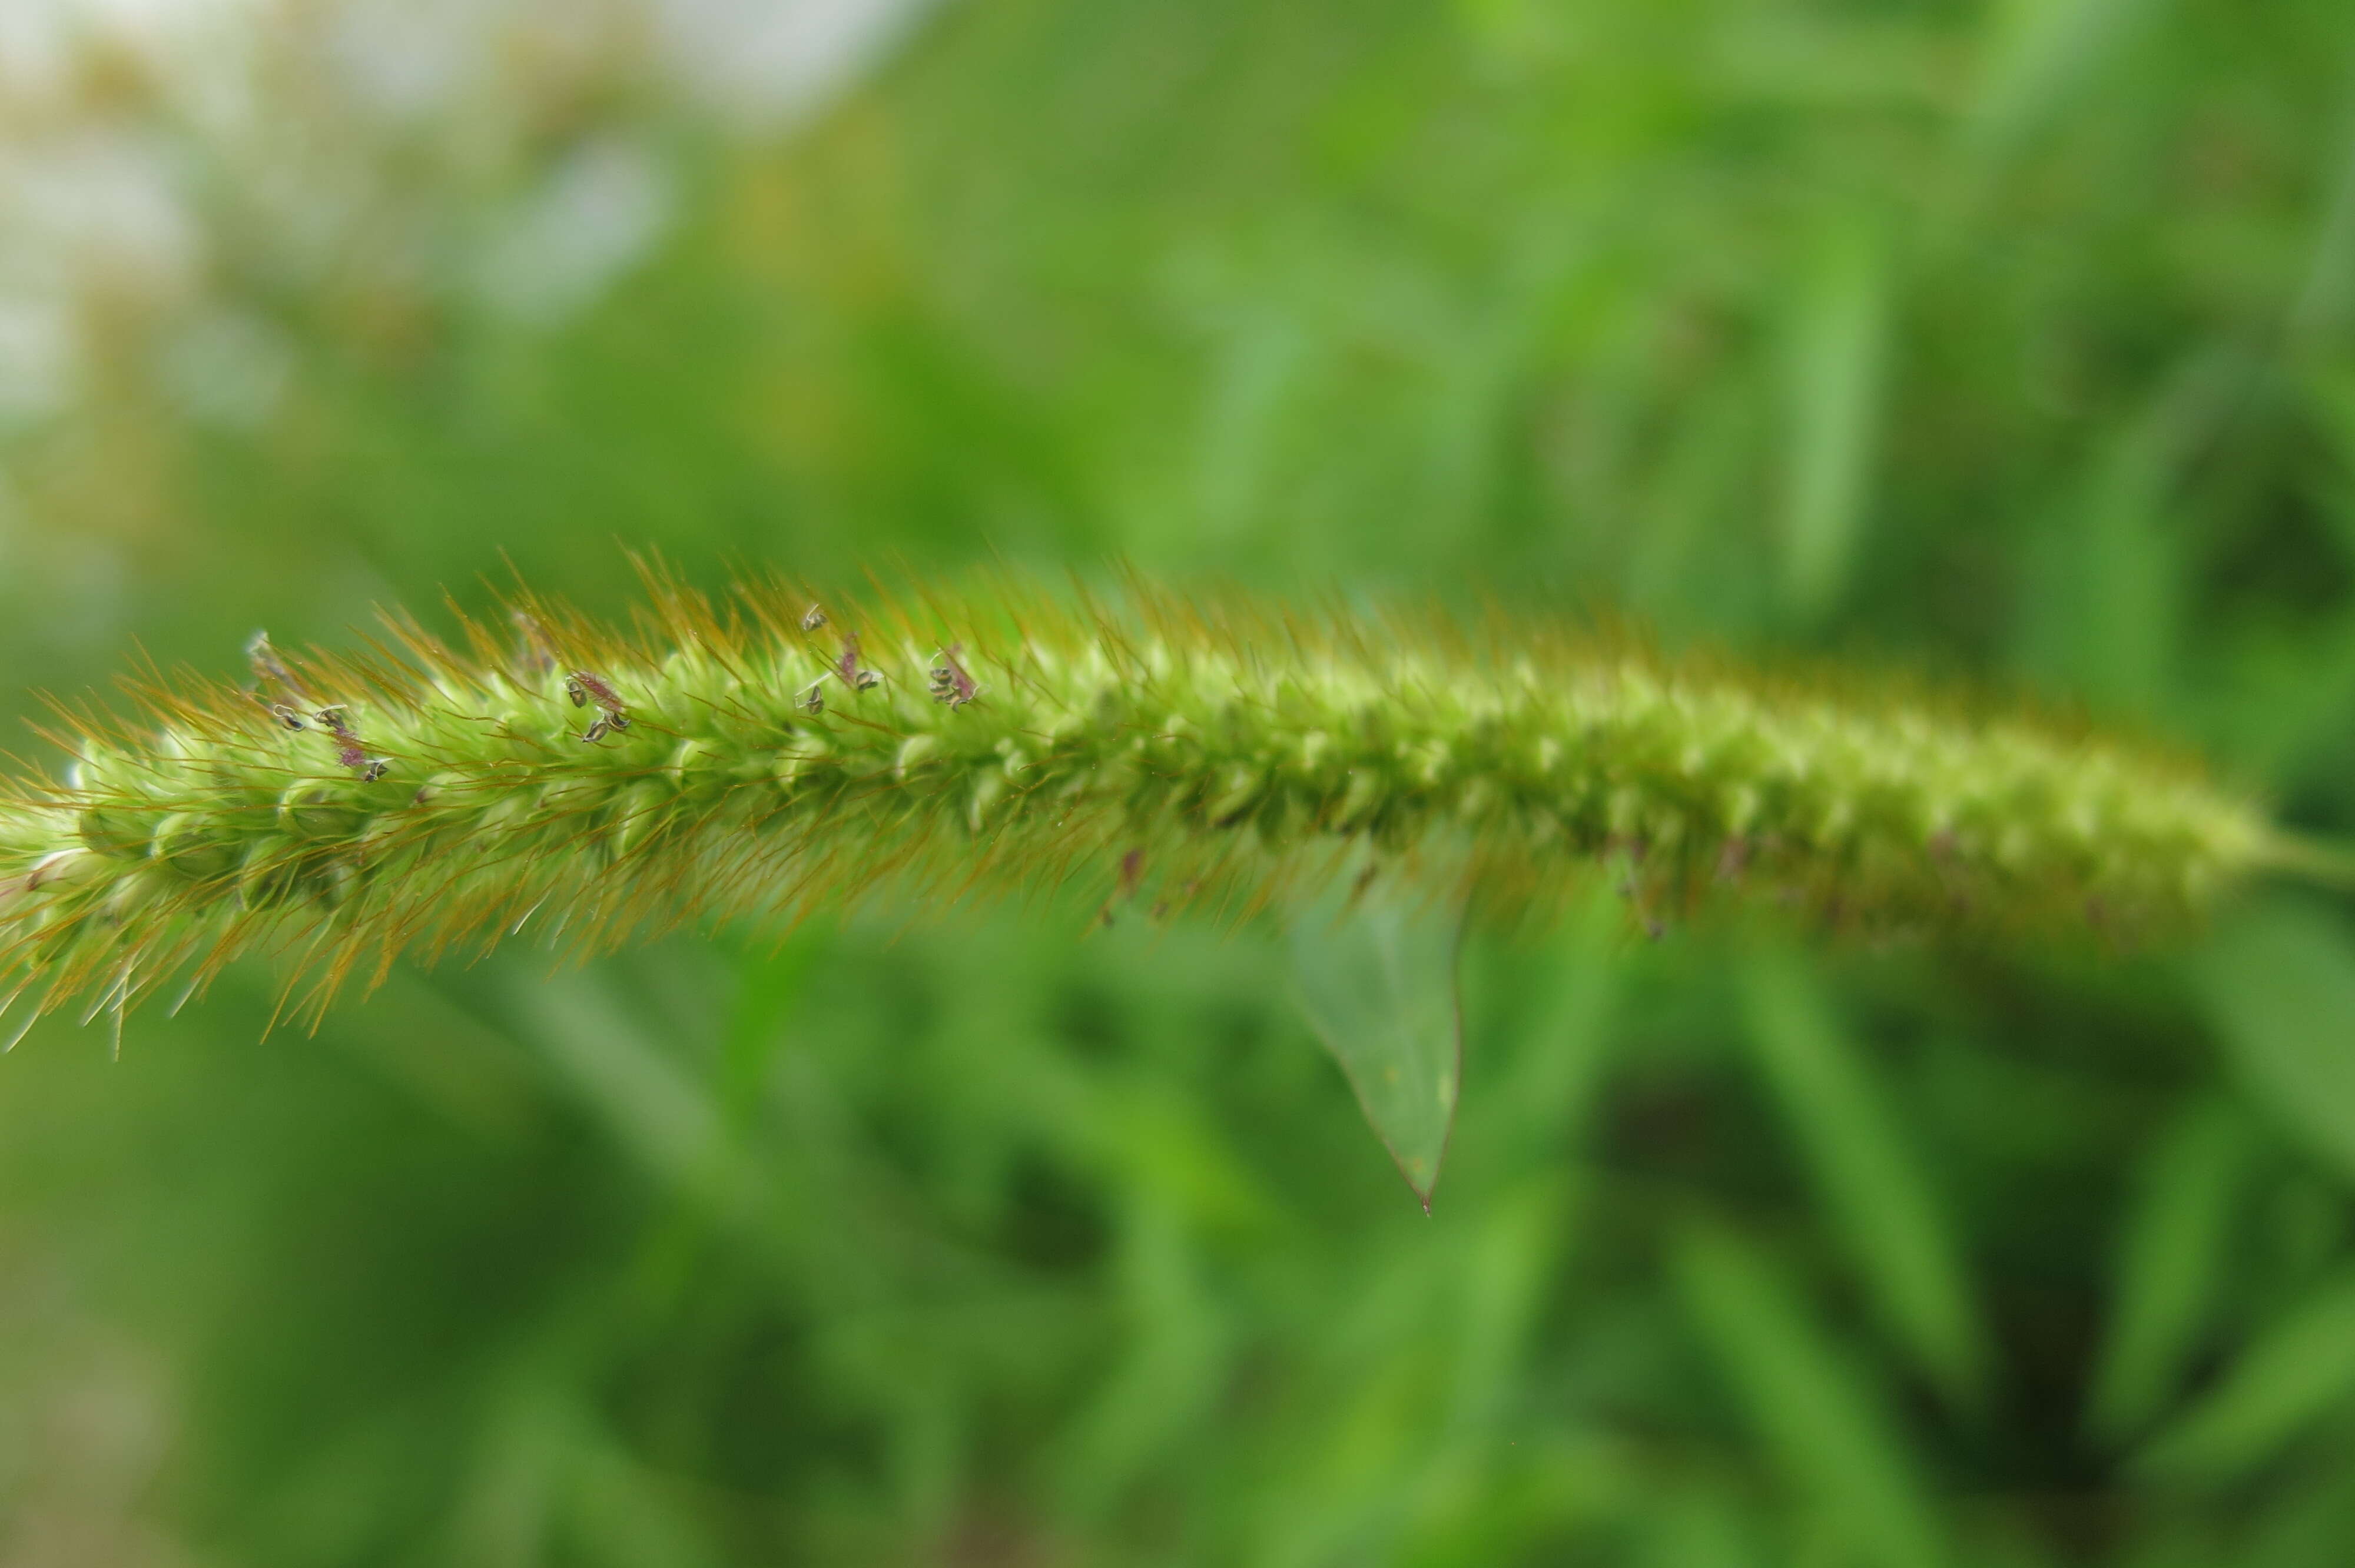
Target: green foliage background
{"type": "Point", "coordinates": [2004, 340]}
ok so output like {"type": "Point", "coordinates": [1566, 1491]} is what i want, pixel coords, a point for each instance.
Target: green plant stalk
{"type": "Point", "coordinates": [782, 756]}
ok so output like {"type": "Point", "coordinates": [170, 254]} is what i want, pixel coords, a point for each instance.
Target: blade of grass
{"type": "Point", "coordinates": [1820, 1420]}
{"type": "Point", "coordinates": [2298, 1368]}
{"type": "Point", "coordinates": [2278, 984]}
{"type": "Point", "coordinates": [1859, 1158]}
{"type": "Point", "coordinates": [2170, 1264]}
{"type": "Point", "coordinates": [1838, 352]}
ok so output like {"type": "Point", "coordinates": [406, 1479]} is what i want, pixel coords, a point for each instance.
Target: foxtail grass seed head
{"type": "Point", "coordinates": [762, 759]}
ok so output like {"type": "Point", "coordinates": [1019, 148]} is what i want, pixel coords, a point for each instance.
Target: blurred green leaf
{"type": "Point", "coordinates": [2109, 569]}
{"type": "Point", "coordinates": [1701, 1530]}
{"type": "Point", "coordinates": [1374, 968]}
{"type": "Point", "coordinates": [2171, 1264]}
{"type": "Point", "coordinates": [1864, 1167]}
{"type": "Point", "coordinates": [621, 1513]}
{"type": "Point", "coordinates": [2294, 1371]}
{"type": "Point", "coordinates": [1821, 1419]}
{"type": "Point", "coordinates": [1170, 1380]}
{"type": "Point", "coordinates": [2320, 308]}
{"type": "Point", "coordinates": [656, 1111]}
{"type": "Point", "coordinates": [769, 985]}
{"type": "Point", "coordinates": [2280, 711]}
{"type": "Point", "coordinates": [2309, 1528]}
{"type": "Point", "coordinates": [2039, 58]}
{"type": "Point", "coordinates": [1501, 1277]}
{"type": "Point", "coordinates": [1839, 341]}
{"type": "Point", "coordinates": [1558, 1059]}
{"type": "Point", "coordinates": [520, 1444]}
{"type": "Point", "coordinates": [2278, 979]}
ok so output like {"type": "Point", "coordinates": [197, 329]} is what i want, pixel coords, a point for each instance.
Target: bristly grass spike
{"type": "Point", "coordinates": [594, 688]}
{"type": "Point", "coordinates": [1242, 751]}
{"type": "Point", "coordinates": [268, 667]}
{"type": "Point", "coordinates": [849, 667]}
{"type": "Point", "coordinates": [535, 657]}
{"type": "Point", "coordinates": [950, 683]}
{"type": "Point", "coordinates": [349, 752]}
{"type": "Point", "coordinates": [583, 687]}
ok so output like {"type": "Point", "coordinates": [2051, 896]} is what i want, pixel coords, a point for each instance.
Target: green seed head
{"type": "Point", "coordinates": [753, 763]}
{"type": "Point", "coordinates": [319, 813]}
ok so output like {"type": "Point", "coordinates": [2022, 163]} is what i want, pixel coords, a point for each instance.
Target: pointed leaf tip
{"type": "Point", "coordinates": [1374, 969]}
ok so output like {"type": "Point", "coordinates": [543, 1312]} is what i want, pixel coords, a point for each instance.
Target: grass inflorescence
{"type": "Point", "coordinates": [788, 749]}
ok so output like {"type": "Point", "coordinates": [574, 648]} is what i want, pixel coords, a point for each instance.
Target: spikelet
{"type": "Point", "coordinates": [797, 749]}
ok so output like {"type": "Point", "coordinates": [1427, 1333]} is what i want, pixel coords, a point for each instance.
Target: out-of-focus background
{"type": "Point", "coordinates": [2001, 340]}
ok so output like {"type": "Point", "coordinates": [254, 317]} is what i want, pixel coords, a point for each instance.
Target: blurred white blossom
{"type": "Point", "coordinates": [433, 147]}
{"type": "Point", "coordinates": [555, 249]}
{"type": "Point", "coordinates": [227, 367]}
{"type": "Point", "coordinates": [98, 207]}
{"type": "Point", "coordinates": [764, 62]}
{"type": "Point", "coordinates": [36, 357]}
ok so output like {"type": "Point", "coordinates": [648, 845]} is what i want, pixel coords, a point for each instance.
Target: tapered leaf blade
{"type": "Point", "coordinates": [2291, 1375]}
{"type": "Point", "coordinates": [1865, 1165]}
{"type": "Point", "coordinates": [2280, 983]}
{"type": "Point", "coordinates": [1374, 968]}
{"type": "Point", "coordinates": [1825, 1423]}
